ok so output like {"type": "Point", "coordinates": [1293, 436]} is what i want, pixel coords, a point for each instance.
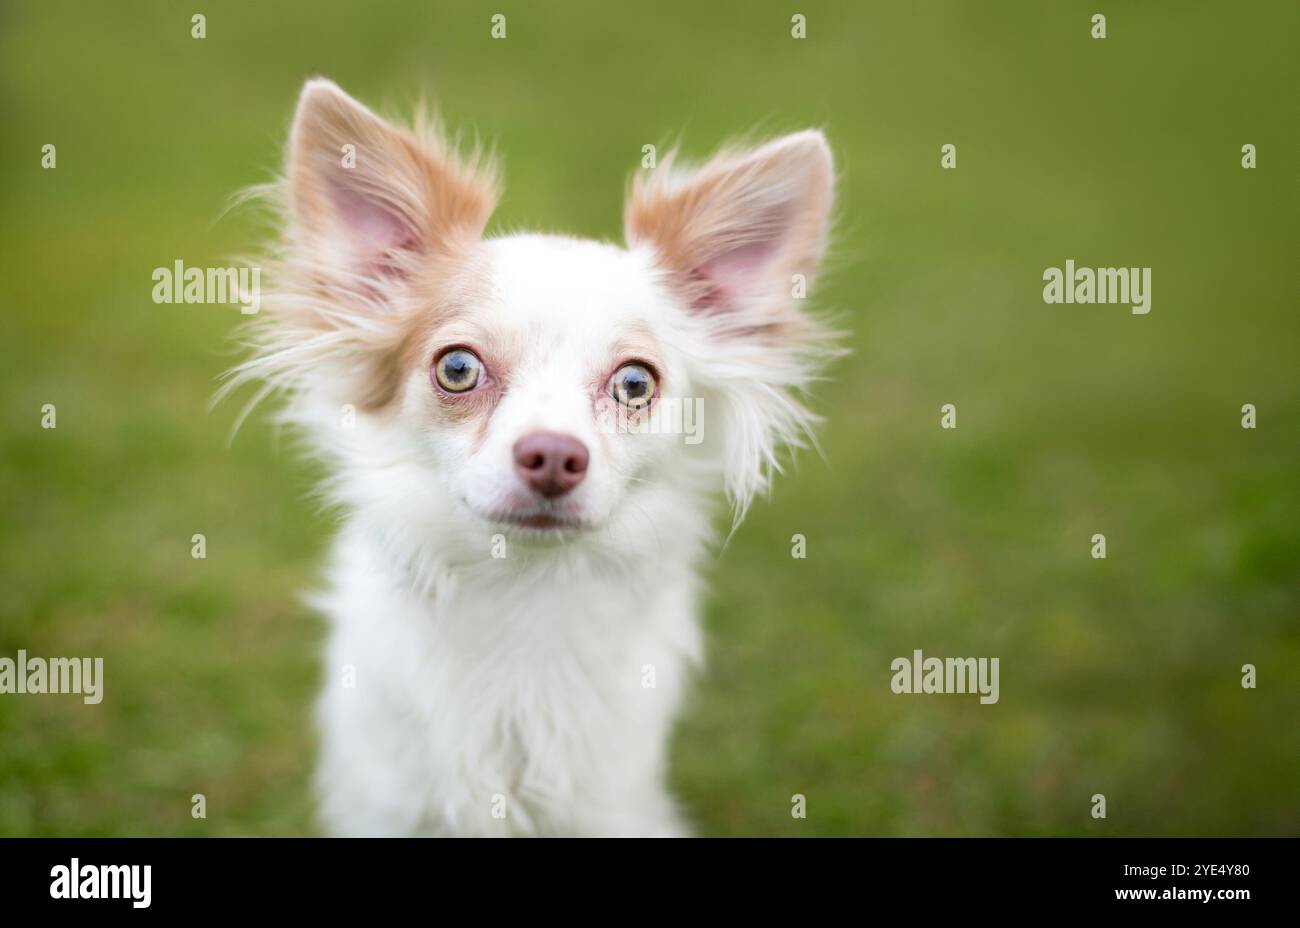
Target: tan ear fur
{"type": "Point", "coordinates": [739, 227]}
{"type": "Point", "coordinates": [407, 190]}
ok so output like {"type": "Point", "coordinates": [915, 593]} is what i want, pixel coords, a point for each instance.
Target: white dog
{"type": "Point", "coordinates": [513, 594]}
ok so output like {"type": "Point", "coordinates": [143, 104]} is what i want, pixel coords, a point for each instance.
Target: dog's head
{"type": "Point", "coordinates": [541, 384]}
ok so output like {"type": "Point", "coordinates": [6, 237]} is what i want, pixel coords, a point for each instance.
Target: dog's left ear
{"type": "Point", "coordinates": [372, 196]}
{"type": "Point", "coordinates": [735, 233]}
{"type": "Point", "coordinates": [739, 240]}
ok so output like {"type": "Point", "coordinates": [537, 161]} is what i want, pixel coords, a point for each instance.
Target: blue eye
{"type": "Point", "coordinates": [633, 385]}
{"type": "Point", "coordinates": [457, 370]}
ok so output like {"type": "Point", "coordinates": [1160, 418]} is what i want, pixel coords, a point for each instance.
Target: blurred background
{"type": "Point", "coordinates": [1118, 676]}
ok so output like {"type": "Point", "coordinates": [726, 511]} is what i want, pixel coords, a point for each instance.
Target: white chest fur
{"type": "Point", "coordinates": [510, 699]}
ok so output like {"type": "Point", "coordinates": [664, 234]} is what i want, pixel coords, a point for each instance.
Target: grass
{"type": "Point", "coordinates": [1119, 676]}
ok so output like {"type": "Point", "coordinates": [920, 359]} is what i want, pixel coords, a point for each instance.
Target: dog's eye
{"type": "Point", "coordinates": [457, 370]}
{"type": "Point", "coordinates": [633, 385]}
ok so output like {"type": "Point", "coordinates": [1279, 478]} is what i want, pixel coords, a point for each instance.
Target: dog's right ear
{"type": "Point", "coordinates": [373, 199]}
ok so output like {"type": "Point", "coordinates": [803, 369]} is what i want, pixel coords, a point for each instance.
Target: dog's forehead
{"type": "Point", "coordinates": [569, 283]}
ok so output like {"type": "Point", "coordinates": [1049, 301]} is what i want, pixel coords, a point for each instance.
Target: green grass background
{"type": "Point", "coordinates": [1119, 676]}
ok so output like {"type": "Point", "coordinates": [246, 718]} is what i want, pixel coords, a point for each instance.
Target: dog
{"type": "Point", "coordinates": [513, 593]}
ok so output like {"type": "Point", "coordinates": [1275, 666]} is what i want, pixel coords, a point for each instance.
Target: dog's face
{"type": "Point", "coordinates": [544, 383]}
{"type": "Point", "coordinates": [539, 397]}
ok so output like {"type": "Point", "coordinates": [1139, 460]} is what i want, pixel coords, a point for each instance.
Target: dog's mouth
{"type": "Point", "coordinates": [542, 521]}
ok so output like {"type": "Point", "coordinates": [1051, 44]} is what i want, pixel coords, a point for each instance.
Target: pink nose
{"type": "Point", "coordinates": [550, 463]}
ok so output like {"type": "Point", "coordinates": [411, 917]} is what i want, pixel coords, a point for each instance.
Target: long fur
{"type": "Point", "coordinates": [467, 691]}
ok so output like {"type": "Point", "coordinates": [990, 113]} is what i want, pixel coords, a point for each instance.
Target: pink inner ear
{"type": "Point", "coordinates": [373, 232]}
{"type": "Point", "coordinates": [727, 276]}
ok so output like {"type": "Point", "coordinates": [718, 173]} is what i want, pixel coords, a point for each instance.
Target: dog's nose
{"type": "Point", "coordinates": [550, 463]}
